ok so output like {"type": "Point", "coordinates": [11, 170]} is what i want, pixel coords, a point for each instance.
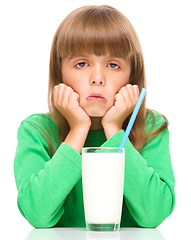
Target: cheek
{"type": "Point", "coordinates": [120, 81]}
{"type": "Point", "coordinates": [75, 86]}
{"type": "Point", "coordinates": [69, 80]}
{"type": "Point", "coordinates": [73, 80]}
{"type": "Point", "coordinates": [115, 88]}
{"type": "Point", "coordinates": [125, 78]}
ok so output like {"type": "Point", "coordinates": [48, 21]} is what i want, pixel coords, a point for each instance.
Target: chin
{"type": "Point", "coordinates": [93, 113]}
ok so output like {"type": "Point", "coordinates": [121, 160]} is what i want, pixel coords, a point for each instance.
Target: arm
{"type": "Point", "coordinates": [149, 181]}
{"type": "Point", "coordinates": [43, 182]}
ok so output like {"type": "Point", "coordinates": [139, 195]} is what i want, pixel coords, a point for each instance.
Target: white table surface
{"type": "Point", "coordinates": [82, 234]}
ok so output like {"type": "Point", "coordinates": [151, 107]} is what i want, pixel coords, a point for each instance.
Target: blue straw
{"type": "Point", "coordinates": [132, 119]}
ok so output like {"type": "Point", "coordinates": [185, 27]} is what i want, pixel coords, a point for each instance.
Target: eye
{"type": "Point", "coordinates": [81, 65]}
{"type": "Point", "coordinates": [113, 66]}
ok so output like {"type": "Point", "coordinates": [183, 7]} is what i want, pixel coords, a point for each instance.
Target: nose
{"type": "Point", "coordinates": [96, 82]}
{"type": "Point", "coordinates": [97, 78]}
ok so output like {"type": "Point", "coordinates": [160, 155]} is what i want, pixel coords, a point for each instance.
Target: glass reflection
{"type": "Point", "coordinates": [82, 234]}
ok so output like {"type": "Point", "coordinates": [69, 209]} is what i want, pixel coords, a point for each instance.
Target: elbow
{"type": "Point", "coordinates": [40, 211]}
{"type": "Point", "coordinates": [42, 223]}
{"type": "Point", "coordinates": [149, 223]}
{"type": "Point", "coordinates": [38, 219]}
{"type": "Point", "coordinates": [152, 219]}
{"type": "Point", "coordinates": [157, 213]}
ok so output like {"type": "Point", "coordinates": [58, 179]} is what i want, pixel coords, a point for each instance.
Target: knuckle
{"type": "Point", "coordinates": [128, 86]}
{"type": "Point", "coordinates": [61, 85]}
{"type": "Point", "coordinates": [69, 89]}
{"type": "Point", "coordinates": [136, 88]}
{"type": "Point", "coordinates": [121, 90]}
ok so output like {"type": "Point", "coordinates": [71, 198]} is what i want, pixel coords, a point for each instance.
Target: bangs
{"type": "Point", "coordinates": [98, 30]}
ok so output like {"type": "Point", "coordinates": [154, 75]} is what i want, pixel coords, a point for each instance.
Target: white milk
{"type": "Point", "coordinates": [103, 180]}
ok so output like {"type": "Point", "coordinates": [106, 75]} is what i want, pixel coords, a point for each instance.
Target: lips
{"type": "Point", "coordinates": [96, 97]}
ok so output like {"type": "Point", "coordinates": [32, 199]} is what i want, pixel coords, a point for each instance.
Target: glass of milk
{"type": "Point", "coordinates": [103, 181]}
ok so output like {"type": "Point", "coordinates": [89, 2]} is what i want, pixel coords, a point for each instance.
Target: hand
{"type": "Point", "coordinates": [67, 103]}
{"type": "Point", "coordinates": [124, 103]}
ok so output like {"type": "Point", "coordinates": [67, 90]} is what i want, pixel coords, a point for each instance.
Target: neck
{"type": "Point", "coordinates": [96, 124]}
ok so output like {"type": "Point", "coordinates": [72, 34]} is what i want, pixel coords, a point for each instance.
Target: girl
{"type": "Point", "coordinates": [96, 74]}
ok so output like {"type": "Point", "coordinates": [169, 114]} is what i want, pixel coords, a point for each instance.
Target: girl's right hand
{"type": "Point", "coordinates": [67, 103]}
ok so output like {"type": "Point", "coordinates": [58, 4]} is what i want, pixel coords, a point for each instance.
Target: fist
{"type": "Point", "coordinates": [67, 103]}
{"type": "Point", "coordinates": [124, 103]}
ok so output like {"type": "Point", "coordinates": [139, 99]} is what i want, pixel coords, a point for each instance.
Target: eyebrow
{"type": "Point", "coordinates": [86, 56]}
{"type": "Point", "coordinates": [77, 56]}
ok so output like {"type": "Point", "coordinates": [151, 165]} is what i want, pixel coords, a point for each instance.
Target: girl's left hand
{"type": "Point", "coordinates": [124, 103]}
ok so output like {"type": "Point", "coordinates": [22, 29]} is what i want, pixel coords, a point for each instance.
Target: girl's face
{"type": "Point", "coordinates": [96, 80]}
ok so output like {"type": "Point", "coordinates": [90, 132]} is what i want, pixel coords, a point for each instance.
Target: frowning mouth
{"type": "Point", "coordinates": [96, 97]}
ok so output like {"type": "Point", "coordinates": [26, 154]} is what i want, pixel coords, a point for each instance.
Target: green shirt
{"type": "Point", "coordinates": [50, 188]}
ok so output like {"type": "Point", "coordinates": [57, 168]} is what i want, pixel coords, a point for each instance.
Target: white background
{"type": "Point", "coordinates": [26, 32]}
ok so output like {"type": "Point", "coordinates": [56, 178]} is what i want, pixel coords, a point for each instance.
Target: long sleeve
{"type": "Point", "coordinates": [50, 188]}
{"type": "Point", "coordinates": [149, 180]}
{"type": "Point", "coordinates": [43, 182]}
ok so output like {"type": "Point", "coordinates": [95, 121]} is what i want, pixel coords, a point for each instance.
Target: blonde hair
{"type": "Point", "coordinates": [98, 30]}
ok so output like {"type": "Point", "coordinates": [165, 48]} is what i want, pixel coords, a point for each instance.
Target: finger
{"type": "Point", "coordinates": [73, 100]}
{"type": "Point", "coordinates": [55, 91]}
{"type": "Point", "coordinates": [136, 91]}
{"type": "Point", "coordinates": [119, 99]}
{"type": "Point", "coordinates": [133, 92]}
{"type": "Point", "coordinates": [65, 95]}
{"type": "Point", "coordinates": [60, 91]}
{"type": "Point", "coordinates": [126, 91]}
